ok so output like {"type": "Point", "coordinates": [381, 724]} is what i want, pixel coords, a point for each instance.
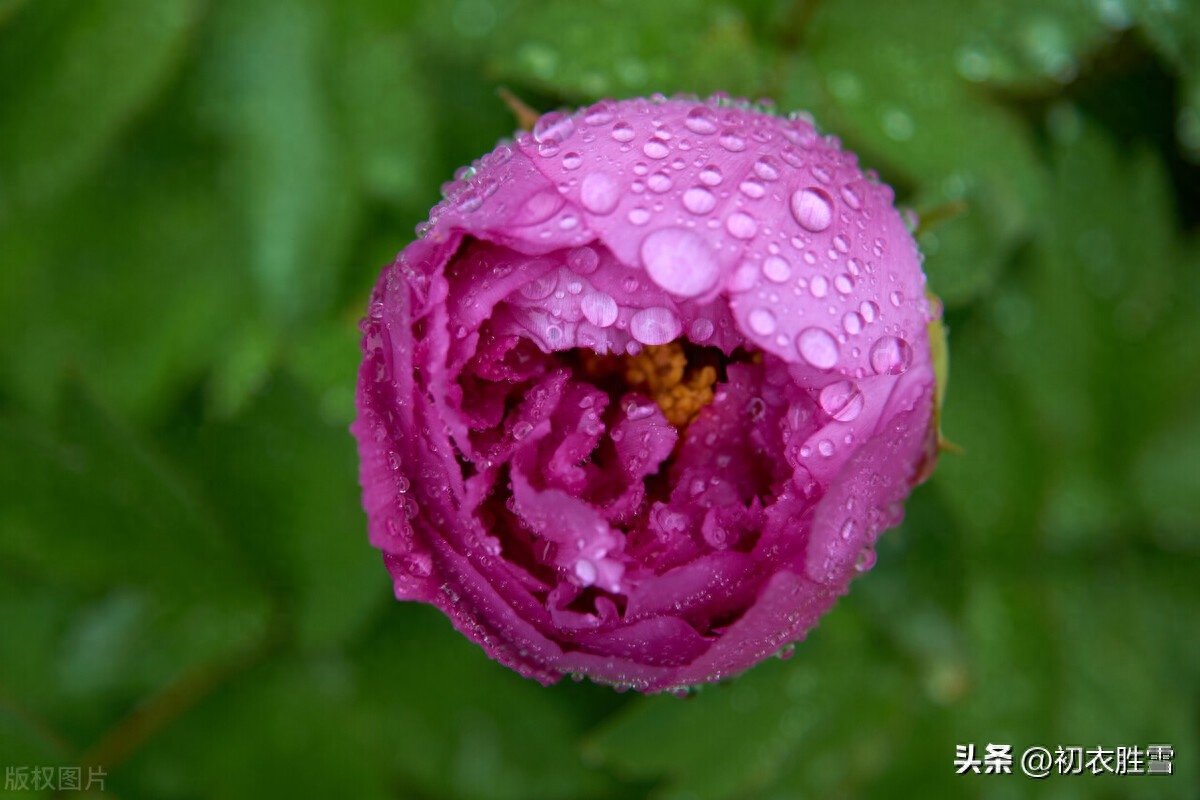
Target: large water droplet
{"type": "Point", "coordinates": [599, 114]}
{"type": "Point", "coordinates": [623, 132]}
{"type": "Point", "coordinates": [599, 193]}
{"type": "Point", "coordinates": [680, 261]}
{"type": "Point", "coordinates": [766, 169]}
{"type": "Point", "coordinates": [655, 325]}
{"type": "Point", "coordinates": [572, 161]}
{"type": "Point", "coordinates": [752, 189]}
{"type": "Point", "coordinates": [852, 323]}
{"type": "Point", "coordinates": [599, 309]}
{"type": "Point", "coordinates": [553, 128]}
{"type": "Point", "coordinates": [891, 355]}
{"type": "Point", "coordinates": [732, 142]}
{"type": "Point", "coordinates": [777, 269]}
{"type": "Point", "coordinates": [843, 283]}
{"type": "Point", "coordinates": [842, 400]}
{"type": "Point", "coordinates": [761, 321]}
{"type": "Point", "coordinates": [699, 200]}
{"type": "Point", "coordinates": [812, 208]}
{"type": "Point", "coordinates": [741, 225]}
{"type": "Point", "coordinates": [818, 347]}
{"type": "Point", "coordinates": [711, 175]}
{"type": "Point", "coordinates": [818, 286]}
{"type": "Point", "coordinates": [659, 182]}
{"type": "Point", "coordinates": [701, 120]}
{"type": "Point", "coordinates": [656, 148]}
{"type": "Point", "coordinates": [583, 260]}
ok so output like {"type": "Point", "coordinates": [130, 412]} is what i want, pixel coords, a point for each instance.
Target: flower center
{"type": "Point", "coordinates": [680, 385]}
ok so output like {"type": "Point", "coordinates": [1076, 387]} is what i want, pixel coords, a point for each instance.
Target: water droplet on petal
{"type": "Point", "coordinates": [732, 142]}
{"type": "Point", "coordinates": [896, 299]}
{"type": "Point", "coordinates": [752, 189]}
{"type": "Point", "coordinates": [711, 175]}
{"type": "Point", "coordinates": [599, 114]}
{"type": "Point", "coordinates": [869, 310]}
{"type": "Point", "coordinates": [818, 347]}
{"type": "Point", "coordinates": [701, 329]}
{"type": "Point", "coordinates": [843, 283]}
{"type": "Point", "coordinates": [639, 215]}
{"type": "Point", "coordinates": [699, 200]}
{"type": "Point", "coordinates": [842, 400]}
{"type": "Point", "coordinates": [741, 225]}
{"type": "Point", "coordinates": [761, 321]}
{"type": "Point", "coordinates": [599, 308]}
{"type": "Point", "coordinates": [765, 169]}
{"type": "Point", "coordinates": [852, 323]}
{"type": "Point", "coordinates": [572, 161]}
{"type": "Point", "coordinates": [701, 120]}
{"type": "Point", "coordinates": [819, 286]}
{"type": "Point", "coordinates": [812, 208]}
{"type": "Point", "coordinates": [655, 325]}
{"type": "Point", "coordinates": [849, 528]}
{"type": "Point", "coordinates": [680, 261]}
{"type": "Point", "coordinates": [623, 132]}
{"type": "Point", "coordinates": [777, 269]}
{"type": "Point", "coordinates": [599, 193]}
{"type": "Point", "coordinates": [891, 355]}
{"type": "Point", "coordinates": [583, 260]}
{"type": "Point", "coordinates": [659, 182]}
{"type": "Point", "coordinates": [553, 128]}
{"type": "Point", "coordinates": [851, 198]}
{"type": "Point", "coordinates": [825, 448]}
{"type": "Point", "coordinates": [656, 148]}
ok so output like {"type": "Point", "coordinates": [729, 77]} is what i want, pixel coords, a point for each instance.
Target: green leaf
{"type": "Point", "coordinates": [72, 77]}
{"type": "Point", "coordinates": [586, 51]}
{"type": "Point", "coordinates": [284, 481]}
{"type": "Point", "coordinates": [264, 89]}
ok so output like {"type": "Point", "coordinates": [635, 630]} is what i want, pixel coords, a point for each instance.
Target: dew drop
{"type": "Point", "coordinates": [812, 208]}
{"type": "Point", "coordinates": [599, 308]}
{"type": "Point", "coordinates": [701, 329]}
{"type": "Point", "coordinates": [891, 355]}
{"type": "Point", "coordinates": [680, 261]}
{"type": "Point", "coordinates": [869, 310]}
{"type": "Point", "coordinates": [599, 114]}
{"type": "Point", "coordinates": [699, 200]}
{"type": "Point", "coordinates": [818, 347]}
{"type": "Point", "coordinates": [752, 189]}
{"type": "Point", "coordinates": [852, 323]}
{"type": "Point", "coordinates": [599, 193]}
{"type": "Point", "coordinates": [656, 148]}
{"type": "Point", "coordinates": [842, 400]}
{"type": "Point", "coordinates": [639, 216]}
{"type": "Point", "coordinates": [819, 286]}
{"type": "Point", "coordinates": [843, 283]}
{"type": "Point", "coordinates": [841, 244]}
{"type": "Point", "coordinates": [711, 175]}
{"type": "Point", "coordinates": [761, 321]}
{"type": "Point", "coordinates": [741, 225]}
{"type": "Point", "coordinates": [896, 299]}
{"type": "Point", "coordinates": [659, 182]}
{"type": "Point", "coordinates": [825, 448]}
{"type": "Point", "coordinates": [655, 325]}
{"type": "Point", "coordinates": [701, 120]}
{"type": "Point", "coordinates": [732, 142]}
{"type": "Point", "coordinates": [583, 260]}
{"type": "Point", "coordinates": [765, 169]}
{"type": "Point", "coordinates": [777, 269]}
{"type": "Point", "coordinates": [623, 132]}
{"type": "Point", "coordinates": [851, 198]}
{"type": "Point", "coordinates": [849, 528]}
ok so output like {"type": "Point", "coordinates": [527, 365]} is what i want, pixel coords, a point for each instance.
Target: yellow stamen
{"type": "Point", "coordinates": [662, 373]}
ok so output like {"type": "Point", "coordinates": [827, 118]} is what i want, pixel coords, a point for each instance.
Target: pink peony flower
{"type": "Point", "coordinates": [637, 403]}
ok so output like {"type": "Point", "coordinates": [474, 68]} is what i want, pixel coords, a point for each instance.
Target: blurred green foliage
{"type": "Point", "coordinates": [196, 195]}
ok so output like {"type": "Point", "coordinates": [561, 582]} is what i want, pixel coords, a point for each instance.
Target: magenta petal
{"type": "Point", "coordinates": [511, 477]}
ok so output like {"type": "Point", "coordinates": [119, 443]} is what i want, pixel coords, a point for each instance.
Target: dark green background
{"type": "Point", "coordinates": [195, 197]}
